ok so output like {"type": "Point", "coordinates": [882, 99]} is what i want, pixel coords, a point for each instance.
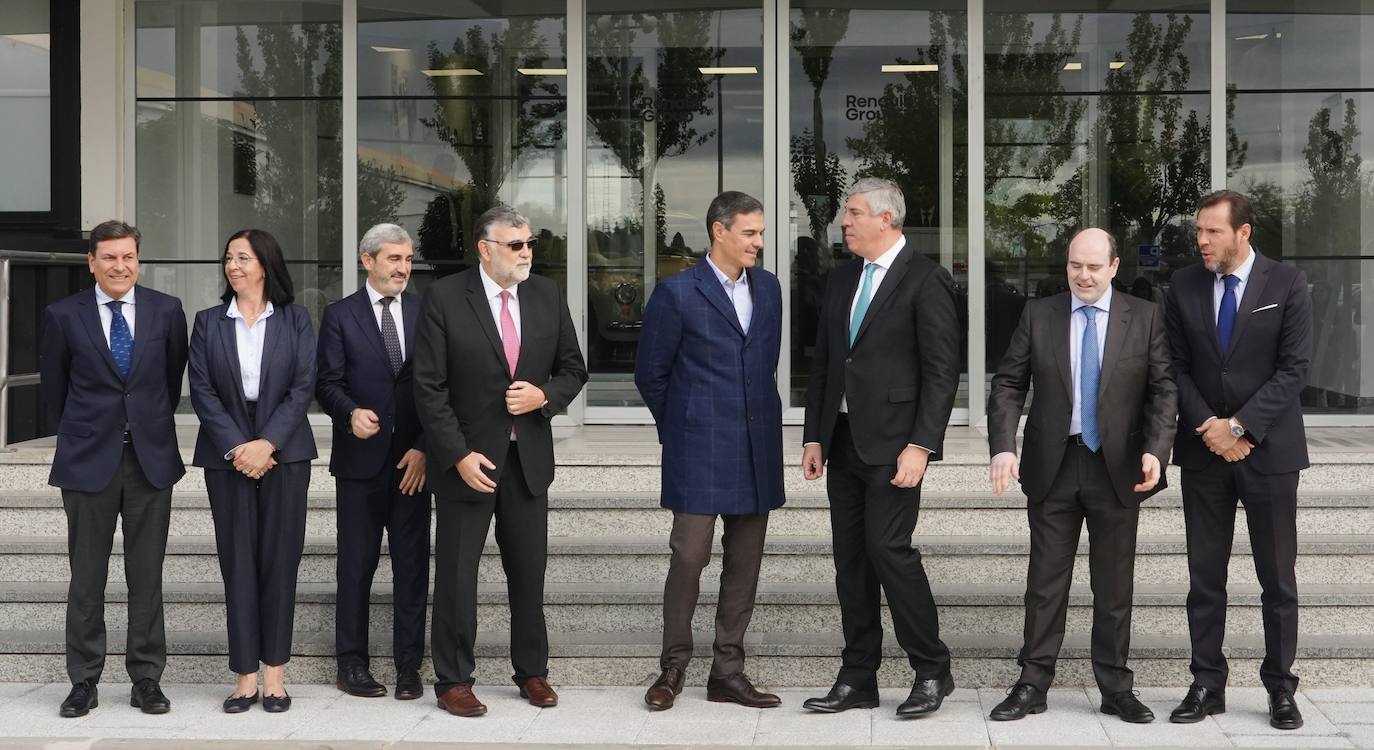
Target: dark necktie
{"type": "Point", "coordinates": [389, 337]}
{"type": "Point", "coordinates": [121, 340]}
{"type": "Point", "coordinates": [1226, 315]}
{"type": "Point", "coordinates": [1089, 378]}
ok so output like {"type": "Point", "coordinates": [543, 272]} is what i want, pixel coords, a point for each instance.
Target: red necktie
{"type": "Point", "coordinates": [510, 338]}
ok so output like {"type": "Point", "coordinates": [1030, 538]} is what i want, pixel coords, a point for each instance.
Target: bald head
{"type": "Point", "coordinates": [1092, 264]}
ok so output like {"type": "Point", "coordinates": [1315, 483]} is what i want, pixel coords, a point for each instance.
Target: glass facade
{"type": "Point", "coordinates": [25, 107]}
{"type": "Point", "coordinates": [612, 125]}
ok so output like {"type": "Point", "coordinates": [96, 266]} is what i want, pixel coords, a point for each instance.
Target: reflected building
{"type": "Point", "coordinates": [612, 125]}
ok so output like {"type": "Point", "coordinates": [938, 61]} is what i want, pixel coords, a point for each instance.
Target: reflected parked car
{"type": "Point", "coordinates": [616, 296]}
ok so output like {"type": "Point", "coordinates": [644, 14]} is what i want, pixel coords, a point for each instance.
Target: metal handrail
{"type": "Point", "coordinates": [7, 258]}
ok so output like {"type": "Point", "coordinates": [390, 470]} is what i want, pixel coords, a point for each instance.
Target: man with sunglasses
{"type": "Point", "coordinates": [496, 357]}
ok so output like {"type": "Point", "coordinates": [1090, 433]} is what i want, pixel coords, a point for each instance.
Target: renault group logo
{"type": "Point", "coordinates": [869, 108]}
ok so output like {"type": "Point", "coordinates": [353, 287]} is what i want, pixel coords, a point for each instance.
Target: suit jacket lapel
{"type": "Point", "coordinates": [847, 284]}
{"type": "Point", "coordinates": [228, 342]}
{"type": "Point", "coordinates": [90, 316]}
{"type": "Point", "coordinates": [763, 304]}
{"type": "Point", "coordinates": [715, 294]}
{"type": "Point", "coordinates": [366, 320]}
{"type": "Point", "coordinates": [1061, 322]}
{"type": "Point", "coordinates": [884, 292]}
{"type": "Point", "coordinates": [146, 325]}
{"type": "Point", "coordinates": [481, 309]}
{"type": "Point", "coordinates": [271, 334]}
{"type": "Point", "coordinates": [1118, 323]}
{"type": "Point", "coordinates": [1254, 286]}
{"type": "Point", "coordinates": [1208, 310]}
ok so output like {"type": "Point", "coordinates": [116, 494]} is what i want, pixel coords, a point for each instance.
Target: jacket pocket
{"type": "Point", "coordinates": [900, 395]}
{"type": "Point", "coordinates": [75, 429]}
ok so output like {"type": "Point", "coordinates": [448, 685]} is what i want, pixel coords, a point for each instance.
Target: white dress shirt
{"type": "Point", "coordinates": [883, 263]}
{"type": "Point", "coordinates": [376, 297]}
{"type": "Point", "coordinates": [738, 292]}
{"type": "Point", "coordinates": [103, 300]}
{"type": "Point", "coordinates": [250, 341]}
{"type": "Point", "coordinates": [1078, 322]}
{"type": "Point", "coordinates": [493, 291]}
{"type": "Point", "coordinates": [1219, 286]}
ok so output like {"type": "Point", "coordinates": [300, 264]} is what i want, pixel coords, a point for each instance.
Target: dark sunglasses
{"type": "Point", "coordinates": [516, 245]}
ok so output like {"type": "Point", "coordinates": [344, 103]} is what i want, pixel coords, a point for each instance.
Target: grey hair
{"type": "Point", "coordinates": [726, 206]}
{"type": "Point", "coordinates": [500, 214]}
{"type": "Point", "coordinates": [382, 234]}
{"type": "Point", "coordinates": [881, 195]}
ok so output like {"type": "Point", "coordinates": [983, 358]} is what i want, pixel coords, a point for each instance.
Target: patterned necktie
{"type": "Point", "coordinates": [121, 340]}
{"type": "Point", "coordinates": [1226, 314]}
{"type": "Point", "coordinates": [861, 308]}
{"type": "Point", "coordinates": [389, 337]}
{"type": "Point", "coordinates": [510, 338]}
{"type": "Point", "coordinates": [1090, 374]}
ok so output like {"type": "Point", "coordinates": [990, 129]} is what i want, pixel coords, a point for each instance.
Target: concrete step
{"type": "Point", "coordinates": [1333, 473]}
{"type": "Point", "coordinates": [952, 560]}
{"type": "Point", "coordinates": [794, 659]}
{"type": "Point", "coordinates": [780, 608]}
{"type": "Point", "coordinates": [805, 514]}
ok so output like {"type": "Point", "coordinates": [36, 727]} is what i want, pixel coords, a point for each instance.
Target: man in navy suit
{"type": "Point", "coordinates": [111, 365]}
{"type": "Point", "coordinates": [706, 369]}
{"type": "Point", "coordinates": [363, 381]}
{"type": "Point", "coordinates": [1240, 326]}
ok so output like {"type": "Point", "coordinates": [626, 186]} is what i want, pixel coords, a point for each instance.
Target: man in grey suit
{"type": "Point", "coordinates": [1098, 435]}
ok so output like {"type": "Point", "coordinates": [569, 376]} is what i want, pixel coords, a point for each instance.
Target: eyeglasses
{"type": "Point", "coordinates": [515, 245]}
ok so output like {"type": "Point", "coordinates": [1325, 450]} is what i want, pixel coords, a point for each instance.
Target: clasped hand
{"type": "Point", "coordinates": [254, 458]}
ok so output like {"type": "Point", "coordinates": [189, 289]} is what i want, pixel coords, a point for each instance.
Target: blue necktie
{"type": "Point", "coordinates": [1226, 315]}
{"type": "Point", "coordinates": [121, 340]}
{"type": "Point", "coordinates": [861, 308]}
{"type": "Point", "coordinates": [1090, 374]}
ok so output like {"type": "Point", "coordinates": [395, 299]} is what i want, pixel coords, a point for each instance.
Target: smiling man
{"type": "Point", "coordinates": [1098, 435]}
{"type": "Point", "coordinates": [363, 381]}
{"type": "Point", "coordinates": [706, 363]}
{"type": "Point", "coordinates": [112, 358]}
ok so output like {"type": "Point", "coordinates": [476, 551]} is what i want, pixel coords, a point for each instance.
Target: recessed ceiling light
{"type": "Point", "coordinates": [542, 71]}
{"type": "Point", "coordinates": [451, 72]}
{"type": "Point", "coordinates": [730, 71]}
{"type": "Point", "coordinates": [1073, 66]}
{"type": "Point", "coordinates": [375, 48]}
{"type": "Point", "coordinates": [925, 68]}
{"type": "Point", "coordinates": [1116, 64]}
{"type": "Point", "coordinates": [1252, 37]}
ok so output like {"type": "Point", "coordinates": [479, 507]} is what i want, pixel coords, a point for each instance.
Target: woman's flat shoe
{"type": "Point", "coordinates": [275, 704]}
{"type": "Point", "coordinates": [239, 704]}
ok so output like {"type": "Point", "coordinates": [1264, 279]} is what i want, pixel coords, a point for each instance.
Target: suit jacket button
{"type": "Point", "coordinates": [849, 360]}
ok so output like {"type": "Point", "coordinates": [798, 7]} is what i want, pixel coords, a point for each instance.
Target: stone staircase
{"type": "Point", "coordinates": [608, 555]}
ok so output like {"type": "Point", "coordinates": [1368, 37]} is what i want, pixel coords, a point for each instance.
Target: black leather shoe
{"type": "Point", "coordinates": [80, 700]}
{"type": "Point", "coordinates": [842, 698]}
{"type": "Point", "coordinates": [926, 697]}
{"type": "Point", "coordinates": [276, 704]}
{"type": "Point", "coordinates": [1198, 704]}
{"type": "Point", "coordinates": [408, 685]}
{"type": "Point", "coordinates": [1023, 698]}
{"type": "Point", "coordinates": [1283, 710]}
{"type": "Point", "coordinates": [1128, 707]}
{"type": "Point", "coordinates": [147, 696]}
{"type": "Point", "coordinates": [237, 705]}
{"type": "Point", "coordinates": [356, 680]}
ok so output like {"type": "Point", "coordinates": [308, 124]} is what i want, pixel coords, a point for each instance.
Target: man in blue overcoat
{"type": "Point", "coordinates": [707, 364]}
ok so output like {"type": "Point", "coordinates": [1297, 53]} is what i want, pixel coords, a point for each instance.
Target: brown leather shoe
{"type": "Point", "coordinates": [460, 701]}
{"type": "Point", "coordinates": [665, 689]}
{"type": "Point", "coordinates": [539, 693]}
{"type": "Point", "coordinates": [737, 689]}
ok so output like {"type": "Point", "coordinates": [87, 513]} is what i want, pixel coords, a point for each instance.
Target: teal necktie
{"type": "Point", "coordinates": [861, 309]}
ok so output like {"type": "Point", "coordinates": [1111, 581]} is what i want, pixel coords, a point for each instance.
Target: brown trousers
{"type": "Point", "coordinates": [690, 542]}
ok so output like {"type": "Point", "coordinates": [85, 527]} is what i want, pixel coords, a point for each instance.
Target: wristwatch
{"type": "Point", "coordinates": [1236, 429]}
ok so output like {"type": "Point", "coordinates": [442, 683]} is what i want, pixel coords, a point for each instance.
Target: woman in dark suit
{"type": "Point", "coordinates": [252, 375]}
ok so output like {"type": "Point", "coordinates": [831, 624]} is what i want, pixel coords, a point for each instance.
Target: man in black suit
{"type": "Point", "coordinates": [111, 368]}
{"type": "Point", "coordinates": [1099, 431]}
{"type": "Point", "coordinates": [885, 372]}
{"type": "Point", "coordinates": [363, 381]}
{"type": "Point", "coordinates": [1240, 326]}
{"type": "Point", "coordinates": [496, 357]}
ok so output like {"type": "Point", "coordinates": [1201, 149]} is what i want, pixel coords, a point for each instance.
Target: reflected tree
{"type": "Point", "coordinates": [817, 176]}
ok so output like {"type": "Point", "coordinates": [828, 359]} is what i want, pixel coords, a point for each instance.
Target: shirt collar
{"type": "Point", "coordinates": [373, 295]}
{"type": "Point", "coordinates": [233, 311]}
{"type": "Point", "coordinates": [494, 289]}
{"type": "Point", "coordinates": [1243, 273]}
{"type": "Point", "coordinates": [1104, 303]}
{"type": "Point", "coordinates": [886, 260]}
{"type": "Point", "coordinates": [726, 280]}
{"type": "Point", "coordinates": [101, 298]}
